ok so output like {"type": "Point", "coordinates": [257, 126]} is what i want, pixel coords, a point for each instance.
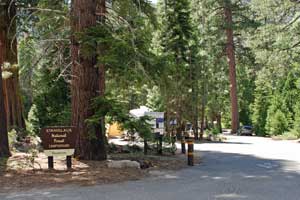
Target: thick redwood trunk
{"type": "Point", "coordinates": [14, 107]}
{"type": "Point", "coordinates": [13, 103]}
{"type": "Point", "coordinates": [8, 26]}
{"type": "Point", "coordinates": [232, 67]}
{"type": "Point", "coordinates": [87, 83]}
{"type": "Point", "coordinates": [101, 16]}
{"type": "Point", "coordinates": [4, 147]}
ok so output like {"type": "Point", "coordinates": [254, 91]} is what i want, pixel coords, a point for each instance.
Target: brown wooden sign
{"type": "Point", "coordinates": [59, 137]}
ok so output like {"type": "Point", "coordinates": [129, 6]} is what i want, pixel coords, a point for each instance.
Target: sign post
{"type": "Point", "coordinates": [190, 153]}
{"type": "Point", "coordinates": [59, 142]}
{"type": "Point", "coordinates": [50, 162]}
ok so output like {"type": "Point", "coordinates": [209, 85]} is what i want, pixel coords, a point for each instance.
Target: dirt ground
{"type": "Point", "coordinates": [17, 173]}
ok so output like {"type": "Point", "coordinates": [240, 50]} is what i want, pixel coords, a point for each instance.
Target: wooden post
{"type": "Point", "coordinates": [160, 141]}
{"type": "Point", "coordinates": [50, 162]}
{"type": "Point", "coordinates": [69, 162]}
{"type": "Point", "coordinates": [190, 152]}
{"type": "Point", "coordinates": [145, 147]}
{"type": "Point", "coordinates": [183, 151]}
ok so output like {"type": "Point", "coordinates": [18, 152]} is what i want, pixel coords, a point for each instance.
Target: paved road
{"type": "Point", "coordinates": [241, 168]}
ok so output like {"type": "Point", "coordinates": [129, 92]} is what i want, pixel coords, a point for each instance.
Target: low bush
{"type": "Point", "coordinates": [289, 135]}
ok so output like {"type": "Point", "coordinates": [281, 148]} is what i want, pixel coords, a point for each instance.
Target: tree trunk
{"type": "Point", "coordinates": [219, 122]}
{"type": "Point", "coordinates": [8, 26]}
{"type": "Point", "coordinates": [202, 118]}
{"type": "Point", "coordinates": [4, 147]}
{"type": "Point", "coordinates": [101, 14]}
{"type": "Point", "coordinates": [87, 83]}
{"type": "Point", "coordinates": [232, 67]}
{"type": "Point", "coordinates": [13, 103]}
{"type": "Point", "coordinates": [195, 94]}
{"type": "Point", "coordinates": [206, 122]}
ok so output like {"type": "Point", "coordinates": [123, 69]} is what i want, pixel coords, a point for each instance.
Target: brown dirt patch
{"type": "Point", "coordinates": [17, 174]}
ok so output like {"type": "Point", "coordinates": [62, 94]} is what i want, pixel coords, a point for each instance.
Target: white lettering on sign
{"type": "Point", "coordinates": [59, 130]}
{"type": "Point", "coordinates": [58, 135]}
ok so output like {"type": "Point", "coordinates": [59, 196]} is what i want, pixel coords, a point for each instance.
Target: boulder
{"type": "Point", "coordinates": [123, 164]}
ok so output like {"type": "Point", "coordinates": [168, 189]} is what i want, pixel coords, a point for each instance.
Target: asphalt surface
{"type": "Point", "coordinates": [240, 168]}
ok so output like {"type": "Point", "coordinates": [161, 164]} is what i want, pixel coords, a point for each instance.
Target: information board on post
{"type": "Point", "coordinates": [59, 141]}
{"type": "Point", "coordinates": [157, 122]}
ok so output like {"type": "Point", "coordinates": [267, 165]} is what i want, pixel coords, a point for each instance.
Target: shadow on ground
{"type": "Point", "coordinates": [219, 176]}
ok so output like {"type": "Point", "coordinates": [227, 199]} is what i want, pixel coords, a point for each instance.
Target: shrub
{"type": "Point", "coordinates": [296, 123]}
{"type": "Point", "coordinates": [215, 131]}
{"type": "Point", "coordinates": [277, 123]}
{"type": "Point", "coordinates": [12, 139]}
{"type": "Point", "coordinates": [289, 135]}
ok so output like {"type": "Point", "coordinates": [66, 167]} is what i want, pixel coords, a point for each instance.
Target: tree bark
{"type": "Point", "coordinates": [8, 26]}
{"type": "Point", "coordinates": [13, 103]}
{"type": "Point", "coordinates": [87, 83]}
{"type": "Point", "coordinates": [202, 118]}
{"type": "Point", "coordinates": [4, 147]}
{"type": "Point", "coordinates": [232, 66]}
{"type": "Point", "coordinates": [195, 98]}
{"type": "Point", "coordinates": [219, 122]}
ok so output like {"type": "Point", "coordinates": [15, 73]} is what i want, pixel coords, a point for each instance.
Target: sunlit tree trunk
{"type": "Point", "coordinates": [87, 83]}
{"type": "Point", "coordinates": [232, 66]}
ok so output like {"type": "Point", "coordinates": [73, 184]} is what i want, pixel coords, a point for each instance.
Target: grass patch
{"type": "Point", "coordinates": [291, 135]}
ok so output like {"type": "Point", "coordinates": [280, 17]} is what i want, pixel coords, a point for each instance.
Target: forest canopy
{"type": "Point", "coordinates": [212, 63]}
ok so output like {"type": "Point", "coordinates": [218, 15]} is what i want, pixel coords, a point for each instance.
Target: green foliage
{"type": "Point", "coordinates": [170, 58]}
{"type": "Point", "coordinates": [289, 135]}
{"type": "Point", "coordinates": [215, 131]}
{"type": "Point", "coordinates": [115, 111]}
{"type": "Point", "coordinates": [51, 101]}
{"type": "Point", "coordinates": [12, 139]}
{"type": "Point", "coordinates": [154, 99]}
{"type": "Point", "coordinates": [33, 125]}
{"type": "Point", "coordinates": [277, 123]}
{"type": "Point", "coordinates": [260, 107]}
{"type": "Point", "coordinates": [296, 124]}
{"type": "Point", "coordinates": [27, 55]}
{"type": "Point", "coordinates": [291, 91]}
{"type": "Point", "coordinates": [140, 126]}
{"type": "Point", "coordinates": [44, 62]}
